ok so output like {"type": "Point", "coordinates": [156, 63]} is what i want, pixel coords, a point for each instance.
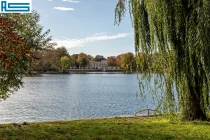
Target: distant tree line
{"type": "Point", "coordinates": [59, 59]}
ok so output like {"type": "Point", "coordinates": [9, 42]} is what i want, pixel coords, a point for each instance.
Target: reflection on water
{"type": "Point", "coordinates": [63, 97]}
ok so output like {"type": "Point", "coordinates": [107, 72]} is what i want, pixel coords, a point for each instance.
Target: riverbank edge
{"type": "Point", "coordinates": [84, 119]}
{"type": "Point", "coordinates": [34, 74]}
{"type": "Point", "coordinates": [78, 71]}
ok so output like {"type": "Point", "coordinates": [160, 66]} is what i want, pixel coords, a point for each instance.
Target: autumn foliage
{"type": "Point", "coordinates": [14, 57]}
{"type": "Point", "coordinates": [83, 59]}
{"type": "Point", "coordinates": [13, 48]}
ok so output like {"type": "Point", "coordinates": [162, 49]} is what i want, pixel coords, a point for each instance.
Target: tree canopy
{"type": "Point", "coordinates": [65, 63]}
{"type": "Point", "coordinates": [50, 58]}
{"type": "Point", "coordinates": [83, 59]}
{"type": "Point", "coordinates": [127, 61]}
{"type": "Point", "coordinates": [20, 35]}
{"type": "Point", "coordinates": [13, 57]}
{"type": "Point", "coordinates": [111, 61]}
{"type": "Point", "coordinates": [179, 30]}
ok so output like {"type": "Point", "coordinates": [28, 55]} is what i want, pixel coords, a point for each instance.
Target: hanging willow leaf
{"type": "Point", "coordinates": [176, 33]}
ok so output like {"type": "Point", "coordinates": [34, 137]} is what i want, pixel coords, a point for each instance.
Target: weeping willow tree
{"type": "Point", "coordinates": [179, 32]}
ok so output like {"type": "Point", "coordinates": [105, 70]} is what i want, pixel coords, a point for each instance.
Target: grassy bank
{"type": "Point", "coordinates": [111, 128]}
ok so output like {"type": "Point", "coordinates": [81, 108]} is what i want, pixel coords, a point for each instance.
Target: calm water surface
{"type": "Point", "coordinates": [74, 96]}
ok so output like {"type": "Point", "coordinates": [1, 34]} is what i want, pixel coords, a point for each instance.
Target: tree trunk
{"type": "Point", "coordinates": [193, 109]}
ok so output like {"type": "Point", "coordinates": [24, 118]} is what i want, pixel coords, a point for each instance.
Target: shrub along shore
{"type": "Point", "coordinates": [108, 128]}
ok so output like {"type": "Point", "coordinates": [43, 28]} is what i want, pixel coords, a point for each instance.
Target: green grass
{"type": "Point", "coordinates": [111, 128]}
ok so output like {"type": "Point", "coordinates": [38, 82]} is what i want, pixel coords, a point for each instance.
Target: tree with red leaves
{"type": "Point", "coordinates": [13, 57]}
{"type": "Point", "coordinates": [18, 41]}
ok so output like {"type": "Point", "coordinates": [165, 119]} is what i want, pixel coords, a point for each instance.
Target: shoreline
{"type": "Point", "coordinates": [81, 119]}
{"type": "Point", "coordinates": [34, 74]}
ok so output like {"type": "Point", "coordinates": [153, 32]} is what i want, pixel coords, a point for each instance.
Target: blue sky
{"type": "Point", "coordinates": [86, 26]}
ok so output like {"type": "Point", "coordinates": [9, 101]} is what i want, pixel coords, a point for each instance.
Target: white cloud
{"type": "Point", "coordinates": [72, 1]}
{"type": "Point", "coordinates": [49, 0]}
{"type": "Point", "coordinates": [64, 8]}
{"type": "Point", "coordinates": [103, 33]}
{"type": "Point", "coordinates": [71, 43]}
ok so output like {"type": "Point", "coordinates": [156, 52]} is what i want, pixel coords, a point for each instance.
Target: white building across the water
{"type": "Point", "coordinates": [98, 65]}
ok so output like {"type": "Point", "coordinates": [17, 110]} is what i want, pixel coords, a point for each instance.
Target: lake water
{"type": "Point", "coordinates": [73, 96]}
